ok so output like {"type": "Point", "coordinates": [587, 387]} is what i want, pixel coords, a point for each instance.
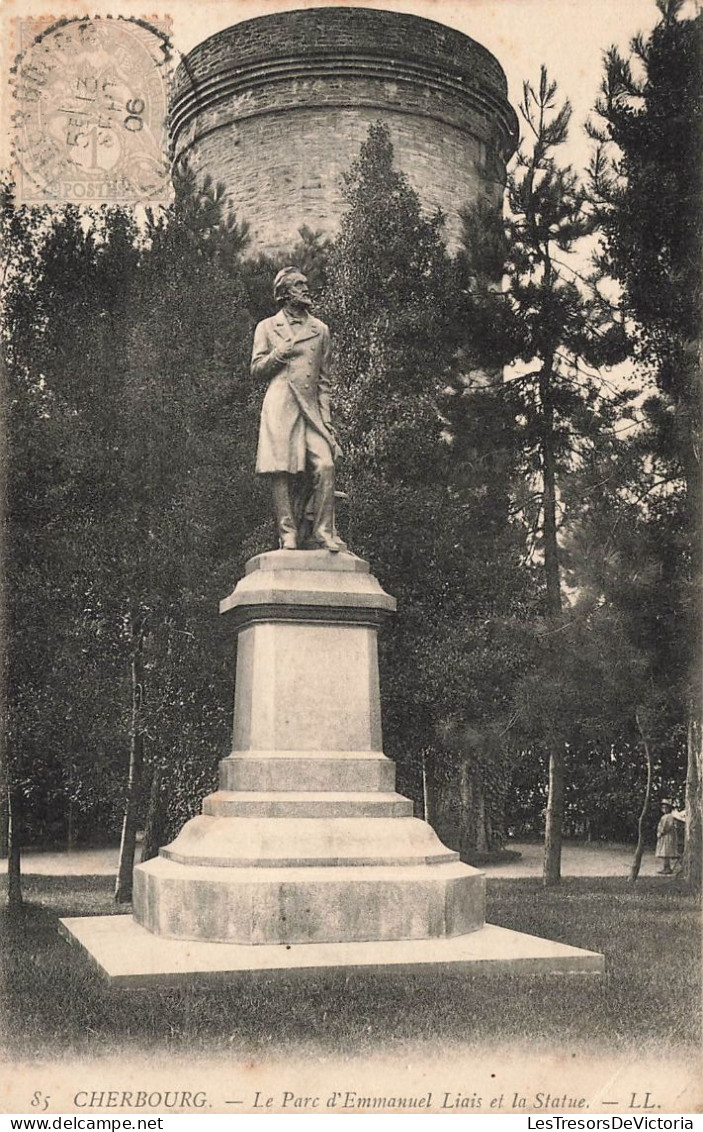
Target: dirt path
{"type": "Point", "coordinates": [578, 859]}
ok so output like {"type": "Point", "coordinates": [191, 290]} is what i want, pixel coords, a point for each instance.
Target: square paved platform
{"type": "Point", "coordinates": [127, 954]}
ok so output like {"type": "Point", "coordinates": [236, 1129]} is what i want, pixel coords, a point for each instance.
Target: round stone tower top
{"type": "Point", "coordinates": [320, 76]}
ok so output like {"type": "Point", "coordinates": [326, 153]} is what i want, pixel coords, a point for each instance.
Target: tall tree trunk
{"type": "Point", "coordinates": [552, 570]}
{"type": "Point", "coordinates": [4, 821]}
{"type": "Point", "coordinates": [639, 851]}
{"type": "Point", "coordinates": [692, 864]}
{"type": "Point", "coordinates": [14, 843]}
{"type": "Point", "coordinates": [551, 874]}
{"type": "Point", "coordinates": [426, 807]}
{"type": "Point", "coordinates": [14, 880]}
{"type": "Point", "coordinates": [493, 839]}
{"type": "Point", "coordinates": [466, 810]}
{"type": "Point", "coordinates": [155, 825]}
{"type": "Point", "coordinates": [70, 840]}
{"type": "Point", "coordinates": [481, 837]}
{"type": "Point", "coordinates": [130, 824]}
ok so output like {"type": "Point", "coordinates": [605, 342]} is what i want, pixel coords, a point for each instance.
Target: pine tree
{"type": "Point", "coordinates": [558, 327]}
{"type": "Point", "coordinates": [646, 174]}
{"type": "Point", "coordinates": [131, 416]}
{"type": "Point", "coordinates": [45, 621]}
{"type": "Point", "coordinates": [418, 472]}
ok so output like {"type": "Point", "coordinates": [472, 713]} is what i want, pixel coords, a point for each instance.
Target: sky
{"type": "Point", "coordinates": [569, 36]}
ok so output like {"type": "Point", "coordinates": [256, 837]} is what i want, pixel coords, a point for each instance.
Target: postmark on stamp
{"type": "Point", "coordinates": [89, 116]}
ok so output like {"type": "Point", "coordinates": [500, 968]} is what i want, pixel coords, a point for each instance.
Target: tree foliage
{"type": "Point", "coordinates": [557, 329]}
{"type": "Point", "coordinates": [540, 532]}
{"type": "Point", "coordinates": [646, 174]}
{"type": "Point", "coordinates": [423, 507]}
{"type": "Point", "coordinates": [129, 501]}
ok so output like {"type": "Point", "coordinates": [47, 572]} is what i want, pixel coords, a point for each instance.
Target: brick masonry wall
{"type": "Point", "coordinates": [277, 109]}
{"type": "Point", "coordinates": [285, 170]}
{"type": "Point", "coordinates": [343, 30]}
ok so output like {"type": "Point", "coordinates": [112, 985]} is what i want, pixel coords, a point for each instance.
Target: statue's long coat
{"type": "Point", "coordinates": [298, 394]}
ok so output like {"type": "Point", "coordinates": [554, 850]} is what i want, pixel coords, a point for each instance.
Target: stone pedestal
{"type": "Point", "coordinates": [306, 858]}
{"type": "Point", "coordinates": [306, 840]}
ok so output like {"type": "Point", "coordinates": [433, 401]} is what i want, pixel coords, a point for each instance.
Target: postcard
{"type": "Point", "coordinates": [323, 934]}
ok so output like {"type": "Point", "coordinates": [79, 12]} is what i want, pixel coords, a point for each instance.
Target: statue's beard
{"type": "Point", "coordinates": [301, 304]}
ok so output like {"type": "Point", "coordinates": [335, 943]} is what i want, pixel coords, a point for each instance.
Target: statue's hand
{"type": "Point", "coordinates": [283, 354]}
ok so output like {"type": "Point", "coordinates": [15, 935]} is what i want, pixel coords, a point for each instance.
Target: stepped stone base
{"type": "Point", "coordinates": [126, 954]}
{"type": "Point", "coordinates": [255, 842]}
{"type": "Point", "coordinates": [306, 856]}
{"type": "Point", "coordinates": [308, 905]}
{"type": "Point", "coordinates": [307, 804]}
{"type": "Point", "coordinates": [285, 772]}
{"type": "Point", "coordinates": [306, 841]}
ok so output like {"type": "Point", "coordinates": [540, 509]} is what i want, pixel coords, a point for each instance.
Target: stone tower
{"type": "Point", "coordinates": [277, 108]}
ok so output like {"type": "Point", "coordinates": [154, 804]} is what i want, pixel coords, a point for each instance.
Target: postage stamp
{"type": "Point", "coordinates": [89, 114]}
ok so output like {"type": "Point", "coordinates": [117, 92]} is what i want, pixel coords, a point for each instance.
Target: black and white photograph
{"type": "Point", "coordinates": [352, 709]}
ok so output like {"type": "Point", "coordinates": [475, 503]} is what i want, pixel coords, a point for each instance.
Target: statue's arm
{"type": "Point", "coordinates": [324, 380]}
{"type": "Point", "coordinates": [323, 392]}
{"type": "Point", "coordinates": [265, 359]}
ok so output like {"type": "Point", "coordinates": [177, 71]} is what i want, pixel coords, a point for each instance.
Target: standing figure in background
{"type": "Point", "coordinates": [667, 837]}
{"type": "Point", "coordinates": [297, 443]}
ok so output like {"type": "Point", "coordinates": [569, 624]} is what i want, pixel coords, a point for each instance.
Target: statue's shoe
{"type": "Point", "coordinates": [334, 545]}
{"type": "Point", "coordinates": [289, 542]}
{"type": "Point", "coordinates": [323, 542]}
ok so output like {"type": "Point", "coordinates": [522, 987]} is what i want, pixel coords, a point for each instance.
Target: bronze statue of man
{"type": "Point", "coordinates": [297, 443]}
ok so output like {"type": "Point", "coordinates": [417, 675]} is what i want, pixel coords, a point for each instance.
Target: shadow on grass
{"type": "Point", "coordinates": [55, 1004]}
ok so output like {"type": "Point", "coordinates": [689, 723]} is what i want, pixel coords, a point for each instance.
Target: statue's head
{"type": "Point", "coordinates": [290, 285]}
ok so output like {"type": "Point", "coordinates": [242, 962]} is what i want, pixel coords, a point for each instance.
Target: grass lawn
{"type": "Point", "coordinates": [56, 1006]}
